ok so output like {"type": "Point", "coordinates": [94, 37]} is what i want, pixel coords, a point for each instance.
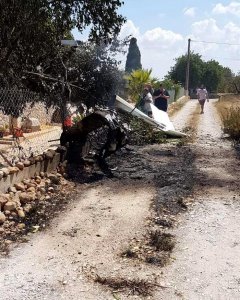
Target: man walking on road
{"type": "Point", "coordinates": [202, 95]}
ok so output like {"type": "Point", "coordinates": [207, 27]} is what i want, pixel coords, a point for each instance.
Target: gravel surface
{"type": "Point", "coordinates": [180, 120]}
{"type": "Point", "coordinates": [206, 259]}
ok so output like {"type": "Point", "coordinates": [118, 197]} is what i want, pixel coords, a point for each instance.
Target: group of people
{"type": "Point", "coordinates": [159, 97]}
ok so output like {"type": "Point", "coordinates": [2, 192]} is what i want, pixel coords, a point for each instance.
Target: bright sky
{"type": "Point", "coordinates": [162, 29]}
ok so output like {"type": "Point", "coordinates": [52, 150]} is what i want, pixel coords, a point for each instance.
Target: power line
{"type": "Point", "coordinates": [219, 43]}
{"type": "Point", "coordinates": [218, 57]}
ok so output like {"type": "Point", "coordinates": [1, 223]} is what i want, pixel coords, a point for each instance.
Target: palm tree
{"type": "Point", "coordinates": [136, 82]}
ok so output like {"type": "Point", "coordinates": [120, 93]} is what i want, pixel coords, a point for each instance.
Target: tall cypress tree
{"type": "Point", "coordinates": [133, 61]}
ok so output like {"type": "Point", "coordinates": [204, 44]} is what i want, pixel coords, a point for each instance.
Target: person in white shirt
{"type": "Point", "coordinates": [147, 99]}
{"type": "Point", "coordinates": [202, 95]}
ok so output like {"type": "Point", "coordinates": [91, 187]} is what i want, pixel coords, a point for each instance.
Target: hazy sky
{"type": "Point", "coordinates": [162, 29]}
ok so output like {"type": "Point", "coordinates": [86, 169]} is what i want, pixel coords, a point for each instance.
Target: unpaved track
{"type": "Point", "coordinates": [181, 118]}
{"type": "Point", "coordinates": [92, 234]}
{"type": "Point", "coordinates": [207, 257]}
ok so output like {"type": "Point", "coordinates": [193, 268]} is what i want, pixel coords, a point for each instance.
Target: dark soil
{"type": "Point", "coordinates": [162, 241]}
{"type": "Point", "coordinates": [171, 170]}
{"type": "Point", "coordinates": [167, 167]}
{"type": "Point", "coordinates": [38, 218]}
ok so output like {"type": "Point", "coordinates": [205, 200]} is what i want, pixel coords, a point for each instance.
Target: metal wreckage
{"type": "Point", "coordinates": [102, 133]}
{"type": "Point", "coordinates": [99, 133]}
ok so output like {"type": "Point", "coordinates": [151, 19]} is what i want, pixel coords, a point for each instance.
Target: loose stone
{"type": "Point", "coordinates": [20, 186]}
{"type": "Point", "coordinates": [10, 206]}
{"type": "Point", "coordinates": [13, 170]}
{"type": "Point", "coordinates": [20, 165]}
{"type": "Point", "coordinates": [5, 171]}
{"type": "Point", "coordinates": [2, 218]}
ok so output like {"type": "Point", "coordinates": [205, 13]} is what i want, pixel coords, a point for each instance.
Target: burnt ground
{"type": "Point", "coordinates": [18, 230]}
{"type": "Point", "coordinates": [159, 176]}
{"type": "Point", "coordinates": [163, 226]}
{"type": "Point", "coordinates": [169, 168]}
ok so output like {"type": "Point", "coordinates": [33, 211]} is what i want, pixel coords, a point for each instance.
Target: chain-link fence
{"type": "Point", "coordinates": [27, 127]}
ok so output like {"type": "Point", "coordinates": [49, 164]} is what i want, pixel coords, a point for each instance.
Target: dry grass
{"type": "Point", "coordinates": [163, 222]}
{"type": "Point", "coordinates": [162, 241]}
{"type": "Point", "coordinates": [118, 284]}
{"type": "Point", "coordinates": [231, 123]}
{"type": "Point", "coordinates": [191, 128]}
{"type": "Point", "coordinates": [139, 287]}
{"type": "Point", "coordinates": [229, 110]}
{"type": "Point", "coordinates": [159, 260]}
{"type": "Point", "coordinates": [226, 102]}
{"type": "Point", "coordinates": [129, 253]}
{"type": "Point", "coordinates": [176, 106]}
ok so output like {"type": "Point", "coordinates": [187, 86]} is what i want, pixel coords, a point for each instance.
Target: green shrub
{"type": "Point", "coordinates": [140, 133]}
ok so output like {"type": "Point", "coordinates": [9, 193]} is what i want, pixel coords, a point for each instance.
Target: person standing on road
{"type": "Point", "coordinates": [161, 97]}
{"type": "Point", "coordinates": [149, 87]}
{"type": "Point", "coordinates": [202, 95]}
{"type": "Point", "coordinates": [147, 99]}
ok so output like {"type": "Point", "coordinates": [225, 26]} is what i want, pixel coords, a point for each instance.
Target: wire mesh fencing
{"type": "Point", "coordinates": [27, 127]}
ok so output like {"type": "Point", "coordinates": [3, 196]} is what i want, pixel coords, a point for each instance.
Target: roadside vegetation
{"type": "Point", "coordinates": [229, 109]}
{"type": "Point", "coordinates": [176, 106]}
{"type": "Point", "coordinates": [141, 133]}
{"type": "Point", "coordinates": [214, 76]}
{"type": "Point", "coordinates": [138, 78]}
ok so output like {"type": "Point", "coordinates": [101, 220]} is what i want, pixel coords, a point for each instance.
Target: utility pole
{"type": "Point", "coordinates": [187, 69]}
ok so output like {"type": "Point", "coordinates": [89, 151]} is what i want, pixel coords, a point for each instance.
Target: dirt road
{"type": "Point", "coordinates": [206, 259]}
{"type": "Point", "coordinates": [108, 215]}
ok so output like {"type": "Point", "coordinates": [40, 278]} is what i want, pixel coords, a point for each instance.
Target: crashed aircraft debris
{"type": "Point", "coordinates": [160, 118]}
{"type": "Point", "coordinates": [78, 141]}
{"type": "Point", "coordinates": [102, 134]}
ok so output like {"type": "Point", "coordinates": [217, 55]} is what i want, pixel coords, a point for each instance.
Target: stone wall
{"type": "Point", "coordinates": [39, 111]}
{"type": "Point", "coordinates": [36, 110]}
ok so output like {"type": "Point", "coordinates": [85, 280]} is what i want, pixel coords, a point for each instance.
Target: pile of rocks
{"type": "Point", "coordinates": [19, 166]}
{"type": "Point", "coordinates": [22, 196]}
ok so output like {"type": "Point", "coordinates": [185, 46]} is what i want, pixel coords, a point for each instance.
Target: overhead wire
{"type": "Point", "coordinates": [225, 58]}
{"type": "Point", "coordinates": [219, 43]}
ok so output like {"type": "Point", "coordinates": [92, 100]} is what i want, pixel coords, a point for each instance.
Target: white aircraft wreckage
{"type": "Point", "coordinates": [159, 120]}
{"type": "Point", "coordinates": [102, 133]}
